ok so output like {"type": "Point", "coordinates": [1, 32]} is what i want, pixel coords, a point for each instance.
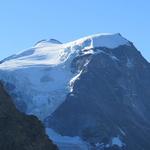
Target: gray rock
{"type": "Point", "coordinates": [19, 131]}
{"type": "Point", "coordinates": [110, 99]}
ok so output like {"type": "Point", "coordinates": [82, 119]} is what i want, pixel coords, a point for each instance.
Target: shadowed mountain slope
{"type": "Point", "coordinates": [19, 131]}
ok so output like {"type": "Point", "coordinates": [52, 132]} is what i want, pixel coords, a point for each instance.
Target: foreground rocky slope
{"type": "Point", "coordinates": [18, 131]}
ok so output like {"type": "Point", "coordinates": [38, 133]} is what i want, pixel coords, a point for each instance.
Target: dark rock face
{"type": "Point", "coordinates": [19, 131]}
{"type": "Point", "coordinates": [110, 99]}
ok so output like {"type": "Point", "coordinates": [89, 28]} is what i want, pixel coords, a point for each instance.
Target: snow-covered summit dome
{"type": "Point", "coordinates": [107, 40]}
{"type": "Point", "coordinates": [54, 41]}
{"type": "Point", "coordinates": [52, 52]}
{"type": "Point", "coordinates": [49, 42]}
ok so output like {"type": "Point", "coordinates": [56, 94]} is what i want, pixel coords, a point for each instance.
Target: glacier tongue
{"type": "Point", "coordinates": [40, 76]}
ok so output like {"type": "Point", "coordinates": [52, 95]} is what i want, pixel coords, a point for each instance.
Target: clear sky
{"type": "Point", "coordinates": [24, 22]}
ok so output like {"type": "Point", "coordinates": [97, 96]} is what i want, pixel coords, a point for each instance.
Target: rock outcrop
{"type": "Point", "coordinates": [19, 131]}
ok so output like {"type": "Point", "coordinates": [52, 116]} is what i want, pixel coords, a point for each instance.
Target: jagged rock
{"type": "Point", "coordinates": [19, 131]}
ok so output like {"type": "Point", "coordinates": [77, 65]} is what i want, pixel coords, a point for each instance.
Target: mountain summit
{"type": "Point", "coordinates": [47, 42]}
{"type": "Point", "coordinates": [96, 88]}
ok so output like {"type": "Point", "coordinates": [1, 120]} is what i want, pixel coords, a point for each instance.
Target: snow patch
{"type": "Point", "coordinates": [50, 42]}
{"type": "Point", "coordinates": [117, 141]}
{"type": "Point", "coordinates": [114, 58]}
{"type": "Point", "coordinates": [72, 81]}
{"type": "Point", "coordinates": [66, 142]}
{"type": "Point", "coordinates": [129, 63]}
{"type": "Point", "coordinates": [123, 133]}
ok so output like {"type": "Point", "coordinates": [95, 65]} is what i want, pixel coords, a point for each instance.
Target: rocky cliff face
{"type": "Point", "coordinates": [109, 106]}
{"type": "Point", "coordinates": [18, 131]}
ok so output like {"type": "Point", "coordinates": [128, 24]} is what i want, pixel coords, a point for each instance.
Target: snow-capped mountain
{"type": "Point", "coordinates": [96, 88]}
{"type": "Point", "coordinates": [40, 78]}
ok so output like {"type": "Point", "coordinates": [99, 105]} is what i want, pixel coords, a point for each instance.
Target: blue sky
{"type": "Point", "coordinates": [24, 22]}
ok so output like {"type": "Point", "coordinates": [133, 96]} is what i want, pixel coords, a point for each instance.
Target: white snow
{"type": "Point", "coordinates": [123, 133]}
{"type": "Point", "coordinates": [41, 78]}
{"type": "Point", "coordinates": [51, 42]}
{"type": "Point", "coordinates": [100, 145]}
{"type": "Point", "coordinates": [117, 141]}
{"type": "Point", "coordinates": [72, 81]}
{"type": "Point", "coordinates": [42, 75]}
{"type": "Point", "coordinates": [100, 40]}
{"type": "Point", "coordinates": [129, 63]}
{"type": "Point", "coordinates": [66, 142]}
{"type": "Point", "coordinates": [114, 57]}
